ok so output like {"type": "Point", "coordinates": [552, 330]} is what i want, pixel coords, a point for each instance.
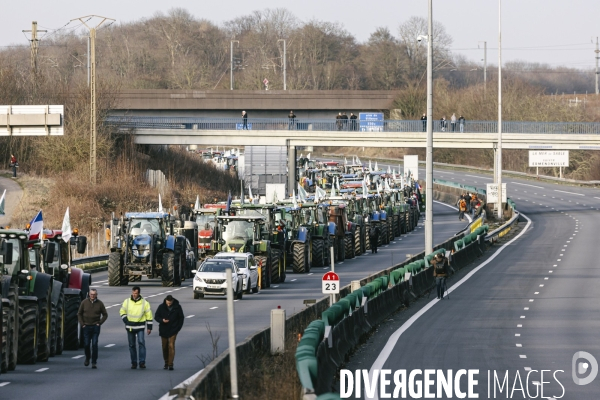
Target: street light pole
{"type": "Point", "coordinates": [429, 155]}
{"type": "Point", "coordinates": [284, 64]}
{"type": "Point", "coordinates": [231, 64]}
{"type": "Point", "coordinates": [499, 109]}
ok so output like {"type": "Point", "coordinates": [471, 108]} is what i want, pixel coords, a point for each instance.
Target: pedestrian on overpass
{"type": "Point", "coordinates": [443, 123]}
{"type": "Point", "coordinates": [424, 119]}
{"type": "Point", "coordinates": [91, 315]}
{"type": "Point", "coordinates": [453, 122]}
{"type": "Point", "coordinates": [137, 317]}
{"type": "Point", "coordinates": [292, 121]}
{"type": "Point", "coordinates": [461, 124]}
{"type": "Point", "coordinates": [440, 273]}
{"type": "Point", "coordinates": [169, 316]}
{"type": "Point", "coordinates": [353, 122]}
{"type": "Point", "coordinates": [245, 119]}
{"type": "Point", "coordinates": [338, 121]}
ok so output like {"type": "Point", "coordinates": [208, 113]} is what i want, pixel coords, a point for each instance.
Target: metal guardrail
{"type": "Point", "coordinates": [302, 124]}
{"type": "Point", "coordinates": [87, 260]}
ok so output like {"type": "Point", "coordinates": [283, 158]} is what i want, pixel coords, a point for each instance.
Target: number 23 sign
{"type": "Point", "coordinates": [331, 283]}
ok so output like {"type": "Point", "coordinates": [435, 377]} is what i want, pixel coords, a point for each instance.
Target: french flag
{"type": "Point", "coordinates": [36, 227]}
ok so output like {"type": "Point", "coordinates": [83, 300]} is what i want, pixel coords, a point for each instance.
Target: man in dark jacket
{"type": "Point", "coordinates": [245, 119]}
{"type": "Point", "coordinates": [91, 315]}
{"type": "Point", "coordinates": [374, 238]}
{"type": "Point", "coordinates": [440, 273]}
{"type": "Point", "coordinates": [169, 316]}
{"type": "Point", "coordinates": [424, 119]}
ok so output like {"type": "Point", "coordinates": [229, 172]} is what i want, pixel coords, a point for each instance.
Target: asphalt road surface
{"type": "Point", "coordinates": [65, 376]}
{"type": "Point", "coordinates": [531, 308]}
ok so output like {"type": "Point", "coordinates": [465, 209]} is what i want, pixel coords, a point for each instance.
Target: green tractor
{"type": "Point", "coordinates": [244, 234]}
{"type": "Point", "coordinates": [31, 322]}
{"type": "Point", "coordinates": [151, 244]}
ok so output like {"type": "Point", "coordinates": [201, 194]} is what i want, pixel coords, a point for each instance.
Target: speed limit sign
{"type": "Point", "coordinates": [331, 283]}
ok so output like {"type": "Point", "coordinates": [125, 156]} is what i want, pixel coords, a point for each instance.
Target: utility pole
{"type": "Point", "coordinates": [285, 64]}
{"type": "Point", "coordinates": [597, 51]}
{"type": "Point", "coordinates": [93, 111]}
{"type": "Point", "coordinates": [231, 64]}
{"type": "Point", "coordinates": [484, 68]}
{"type": "Point", "coordinates": [429, 154]}
{"type": "Point", "coordinates": [35, 42]}
{"type": "Point", "coordinates": [499, 109]}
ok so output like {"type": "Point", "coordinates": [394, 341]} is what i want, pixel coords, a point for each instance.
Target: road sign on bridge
{"type": "Point", "coordinates": [539, 158]}
{"type": "Point", "coordinates": [331, 283]}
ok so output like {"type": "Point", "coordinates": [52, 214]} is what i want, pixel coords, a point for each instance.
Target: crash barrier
{"type": "Point", "coordinates": [342, 325]}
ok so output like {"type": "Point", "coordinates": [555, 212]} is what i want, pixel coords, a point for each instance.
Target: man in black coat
{"type": "Point", "coordinates": [374, 238]}
{"type": "Point", "coordinates": [169, 316]}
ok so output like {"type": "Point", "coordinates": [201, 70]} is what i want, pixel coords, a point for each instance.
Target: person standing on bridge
{"type": "Point", "coordinates": [137, 317]}
{"type": "Point", "coordinates": [91, 315]}
{"type": "Point", "coordinates": [353, 124]}
{"type": "Point", "coordinates": [461, 124]}
{"type": "Point", "coordinates": [440, 273]}
{"type": "Point", "coordinates": [443, 123]}
{"type": "Point", "coordinates": [453, 122]}
{"type": "Point", "coordinates": [245, 119]}
{"type": "Point", "coordinates": [292, 121]}
{"type": "Point", "coordinates": [169, 316]}
{"type": "Point", "coordinates": [424, 119]}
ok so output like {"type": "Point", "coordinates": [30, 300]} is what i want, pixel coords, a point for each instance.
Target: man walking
{"type": "Point", "coordinates": [461, 124]}
{"type": "Point", "coordinates": [440, 273]}
{"type": "Point", "coordinates": [91, 315]}
{"type": "Point", "coordinates": [245, 119]}
{"type": "Point", "coordinates": [137, 317]}
{"type": "Point", "coordinates": [374, 239]}
{"type": "Point", "coordinates": [424, 119]}
{"type": "Point", "coordinates": [462, 208]}
{"type": "Point", "coordinates": [169, 316]}
{"type": "Point", "coordinates": [14, 164]}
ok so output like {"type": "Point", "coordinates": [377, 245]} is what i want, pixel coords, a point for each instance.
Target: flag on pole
{"type": "Point", "coordinates": [66, 227]}
{"type": "Point", "coordinates": [302, 193]}
{"type": "Point", "coordinates": [2, 201]}
{"type": "Point", "coordinates": [376, 167]}
{"type": "Point", "coordinates": [160, 207]}
{"type": "Point", "coordinates": [320, 192]}
{"type": "Point", "coordinates": [365, 188]}
{"type": "Point", "coordinates": [370, 168]}
{"type": "Point", "coordinates": [295, 203]}
{"type": "Point", "coordinates": [36, 226]}
{"type": "Point", "coordinates": [316, 195]}
{"type": "Point", "coordinates": [197, 205]}
{"type": "Point", "coordinates": [228, 202]}
{"type": "Point", "coordinates": [250, 195]}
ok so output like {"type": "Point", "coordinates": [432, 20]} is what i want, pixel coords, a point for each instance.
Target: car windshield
{"type": "Point", "coordinates": [215, 266]}
{"type": "Point", "coordinates": [140, 226]}
{"type": "Point", "coordinates": [237, 230]}
{"type": "Point", "coordinates": [205, 221]}
{"type": "Point", "coordinates": [240, 262]}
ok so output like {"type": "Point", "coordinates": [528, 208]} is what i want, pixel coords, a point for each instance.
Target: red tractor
{"type": "Point", "coordinates": [73, 282]}
{"type": "Point", "coordinates": [206, 219]}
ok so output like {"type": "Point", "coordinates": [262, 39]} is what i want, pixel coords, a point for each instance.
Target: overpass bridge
{"type": "Point", "coordinates": [330, 132]}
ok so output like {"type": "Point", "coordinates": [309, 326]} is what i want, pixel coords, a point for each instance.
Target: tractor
{"type": "Point", "coordinates": [344, 235]}
{"type": "Point", "coordinates": [150, 244]}
{"type": "Point", "coordinates": [31, 329]}
{"type": "Point", "coordinates": [244, 234]}
{"type": "Point", "coordinates": [71, 285]}
{"type": "Point", "coordinates": [206, 219]}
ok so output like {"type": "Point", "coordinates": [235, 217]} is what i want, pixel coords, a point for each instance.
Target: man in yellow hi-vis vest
{"type": "Point", "coordinates": [137, 316]}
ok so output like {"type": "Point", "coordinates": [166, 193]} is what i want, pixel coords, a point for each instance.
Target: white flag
{"type": "Point", "coordinates": [321, 192]}
{"type": "Point", "coordinates": [301, 193]}
{"type": "Point", "coordinates": [370, 168]}
{"type": "Point", "coordinates": [308, 156]}
{"type": "Point", "coordinates": [2, 201]}
{"type": "Point", "coordinates": [66, 227]}
{"type": "Point", "coordinates": [317, 195]}
{"type": "Point", "coordinates": [345, 161]}
{"type": "Point", "coordinates": [358, 161]}
{"type": "Point", "coordinates": [250, 194]}
{"type": "Point", "coordinates": [294, 202]}
{"type": "Point", "coordinates": [197, 205]}
{"type": "Point", "coordinates": [389, 171]}
{"type": "Point", "coordinates": [376, 167]}
{"type": "Point", "coordinates": [160, 208]}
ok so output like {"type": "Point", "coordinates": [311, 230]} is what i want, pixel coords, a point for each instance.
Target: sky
{"type": "Point", "coordinates": [554, 32]}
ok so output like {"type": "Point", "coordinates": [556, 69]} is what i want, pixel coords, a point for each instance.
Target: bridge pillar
{"type": "Point", "coordinates": [291, 169]}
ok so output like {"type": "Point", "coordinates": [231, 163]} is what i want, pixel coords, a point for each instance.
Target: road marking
{"type": "Point", "coordinates": [542, 285]}
{"type": "Point", "coordinates": [110, 345]}
{"type": "Point", "coordinates": [293, 280]}
{"type": "Point", "coordinates": [236, 300]}
{"type": "Point", "coordinates": [550, 271]}
{"type": "Point", "coordinates": [522, 356]}
{"type": "Point", "coordinates": [4, 384]}
{"type": "Point", "coordinates": [151, 296]}
{"type": "Point", "coordinates": [114, 305]}
{"type": "Point", "coordinates": [79, 356]}
{"type": "Point", "coordinates": [190, 316]}
{"type": "Point", "coordinates": [183, 384]}
{"type": "Point", "coordinates": [530, 300]}
{"type": "Point", "coordinates": [517, 334]}
{"type": "Point", "coordinates": [341, 262]}
{"type": "Point", "coordinates": [527, 368]}
{"type": "Point", "coordinates": [576, 194]}
{"type": "Point", "coordinates": [537, 293]}
{"type": "Point", "coordinates": [42, 369]}
{"type": "Point", "coordinates": [169, 291]}
{"type": "Point", "coordinates": [526, 308]}
{"type": "Point", "coordinates": [101, 281]}
{"type": "Point", "coordinates": [522, 317]}
{"type": "Point", "coordinates": [597, 198]}
{"type": "Point", "coordinates": [158, 294]}
{"type": "Point", "coordinates": [519, 345]}
{"type": "Point", "coordinates": [558, 259]}
{"type": "Point", "coordinates": [212, 308]}
{"type": "Point", "coordinates": [546, 278]}
{"type": "Point", "coordinates": [524, 184]}
{"type": "Point", "coordinates": [481, 177]}
{"type": "Point", "coordinates": [519, 326]}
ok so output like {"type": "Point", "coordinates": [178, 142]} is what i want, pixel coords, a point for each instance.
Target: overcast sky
{"type": "Point", "coordinates": [555, 32]}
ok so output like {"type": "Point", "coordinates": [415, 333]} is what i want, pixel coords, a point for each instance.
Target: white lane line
{"type": "Point", "coordinates": [546, 278]}
{"type": "Point", "coordinates": [522, 317]}
{"type": "Point", "coordinates": [576, 194]}
{"type": "Point", "coordinates": [190, 316]}
{"type": "Point", "coordinates": [393, 340]}
{"type": "Point", "coordinates": [519, 345]}
{"type": "Point", "coordinates": [183, 384]}
{"type": "Point", "coordinates": [526, 308]}
{"type": "Point", "coordinates": [42, 369]}
{"type": "Point", "coordinates": [79, 356]}
{"type": "Point", "coordinates": [293, 280]}
{"type": "Point", "coordinates": [212, 308]}
{"type": "Point", "coordinates": [341, 262]}
{"type": "Point", "coordinates": [276, 286]}
{"type": "Point", "coordinates": [537, 293]}
{"type": "Point", "coordinates": [522, 356]}
{"type": "Point", "coordinates": [519, 326]}
{"type": "Point", "coordinates": [4, 384]}
{"type": "Point", "coordinates": [597, 198]}
{"type": "Point", "coordinates": [153, 295]}
{"type": "Point", "coordinates": [101, 281]}
{"type": "Point", "coordinates": [110, 345]}
{"type": "Point", "coordinates": [481, 177]}
{"type": "Point", "coordinates": [524, 184]}
{"type": "Point", "coordinates": [236, 300]}
{"type": "Point", "coordinates": [527, 368]}
{"type": "Point", "coordinates": [114, 305]}
{"type": "Point", "coordinates": [310, 273]}
{"type": "Point", "coordinates": [517, 334]}
{"type": "Point", "coordinates": [530, 300]}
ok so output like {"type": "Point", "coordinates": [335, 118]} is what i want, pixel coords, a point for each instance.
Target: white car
{"type": "Point", "coordinates": [246, 264]}
{"type": "Point", "coordinates": [211, 279]}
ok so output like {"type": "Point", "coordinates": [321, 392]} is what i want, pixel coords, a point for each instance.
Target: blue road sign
{"type": "Point", "coordinates": [371, 122]}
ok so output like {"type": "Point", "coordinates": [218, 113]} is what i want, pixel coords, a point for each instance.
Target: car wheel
{"type": "Point", "coordinates": [255, 289]}
{"type": "Point", "coordinates": [249, 285]}
{"type": "Point", "coordinates": [240, 293]}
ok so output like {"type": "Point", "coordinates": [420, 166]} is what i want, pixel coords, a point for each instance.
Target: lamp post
{"type": "Point", "coordinates": [231, 64]}
{"type": "Point", "coordinates": [429, 155]}
{"type": "Point", "coordinates": [499, 180]}
{"type": "Point", "coordinates": [284, 64]}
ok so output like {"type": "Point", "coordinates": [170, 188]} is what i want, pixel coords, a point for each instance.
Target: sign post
{"type": "Point", "coordinates": [331, 285]}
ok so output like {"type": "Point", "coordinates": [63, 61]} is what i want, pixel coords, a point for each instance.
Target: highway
{"type": "Point", "coordinates": [65, 375]}
{"type": "Point", "coordinates": [530, 308]}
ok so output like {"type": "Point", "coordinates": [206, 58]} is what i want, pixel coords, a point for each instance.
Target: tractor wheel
{"type": "Point", "coordinates": [317, 253]}
{"type": "Point", "coordinates": [115, 273]}
{"type": "Point", "coordinates": [264, 274]}
{"type": "Point", "coordinates": [396, 226]}
{"type": "Point", "coordinates": [71, 324]}
{"type": "Point", "coordinates": [275, 262]}
{"type": "Point", "coordinates": [45, 326]}
{"type": "Point", "coordinates": [300, 260]}
{"type": "Point", "coordinates": [348, 246]}
{"type": "Point", "coordinates": [134, 278]}
{"type": "Point", "coordinates": [60, 324]}
{"type": "Point", "coordinates": [4, 345]}
{"type": "Point", "coordinates": [28, 333]}
{"type": "Point", "coordinates": [342, 248]}
{"type": "Point", "coordinates": [13, 333]}
{"type": "Point", "coordinates": [357, 246]}
{"type": "Point", "coordinates": [170, 271]}
{"type": "Point", "coordinates": [367, 238]}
